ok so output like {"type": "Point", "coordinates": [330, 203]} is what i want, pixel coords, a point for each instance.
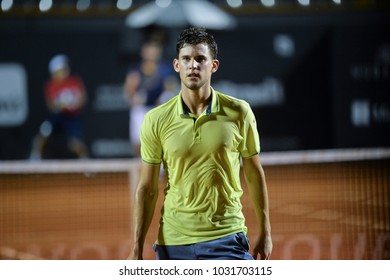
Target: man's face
{"type": "Point", "coordinates": [195, 66]}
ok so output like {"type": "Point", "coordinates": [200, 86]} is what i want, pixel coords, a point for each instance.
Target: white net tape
{"type": "Point", "coordinates": [127, 165]}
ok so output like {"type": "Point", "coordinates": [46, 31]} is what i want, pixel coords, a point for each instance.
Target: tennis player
{"type": "Point", "coordinates": [200, 136]}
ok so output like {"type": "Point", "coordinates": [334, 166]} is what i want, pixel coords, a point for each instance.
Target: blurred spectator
{"type": "Point", "coordinates": [65, 98]}
{"type": "Point", "coordinates": [148, 83]}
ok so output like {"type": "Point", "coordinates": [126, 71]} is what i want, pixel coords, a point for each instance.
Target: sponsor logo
{"type": "Point", "coordinates": [13, 95]}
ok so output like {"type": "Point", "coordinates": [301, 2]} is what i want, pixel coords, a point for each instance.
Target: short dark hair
{"type": "Point", "coordinates": [194, 36]}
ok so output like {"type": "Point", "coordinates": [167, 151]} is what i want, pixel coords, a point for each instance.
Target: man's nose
{"type": "Point", "coordinates": [194, 64]}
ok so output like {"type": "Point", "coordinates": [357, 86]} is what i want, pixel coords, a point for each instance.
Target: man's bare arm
{"type": "Point", "coordinates": [144, 205]}
{"type": "Point", "coordinates": [257, 186]}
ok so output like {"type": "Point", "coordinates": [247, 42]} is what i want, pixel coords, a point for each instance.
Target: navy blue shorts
{"type": "Point", "coordinates": [71, 124]}
{"type": "Point", "coordinates": [231, 247]}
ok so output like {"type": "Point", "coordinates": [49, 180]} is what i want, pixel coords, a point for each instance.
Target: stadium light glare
{"type": "Point", "coordinates": [45, 5]}
{"type": "Point", "coordinates": [124, 4]}
{"type": "Point", "coordinates": [6, 5]}
{"type": "Point", "coordinates": [234, 3]}
{"type": "Point", "coordinates": [268, 3]}
{"type": "Point", "coordinates": [163, 3]}
{"type": "Point", "coordinates": [83, 5]}
{"type": "Point", "coordinates": [304, 2]}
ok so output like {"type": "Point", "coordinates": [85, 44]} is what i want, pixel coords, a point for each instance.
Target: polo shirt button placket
{"type": "Point", "coordinates": [196, 132]}
{"type": "Point", "coordinates": [196, 136]}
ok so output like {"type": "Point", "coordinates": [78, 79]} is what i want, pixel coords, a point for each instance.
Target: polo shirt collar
{"type": "Point", "coordinates": [212, 107]}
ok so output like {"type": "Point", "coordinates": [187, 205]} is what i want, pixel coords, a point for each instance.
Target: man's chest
{"type": "Point", "coordinates": [205, 135]}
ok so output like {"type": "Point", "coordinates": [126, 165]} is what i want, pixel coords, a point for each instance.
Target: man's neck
{"type": "Point", "coordinates": [196, 100]}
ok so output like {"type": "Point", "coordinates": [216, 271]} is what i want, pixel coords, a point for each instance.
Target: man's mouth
{"type": "Point", "coordinates": [193, 75]}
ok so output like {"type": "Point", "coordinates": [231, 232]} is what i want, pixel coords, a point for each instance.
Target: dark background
{"type": "Point", "coordinates": [340, 58]}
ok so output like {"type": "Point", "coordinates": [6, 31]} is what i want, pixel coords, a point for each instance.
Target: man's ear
{"type": "Point", "coordinates": [176, 65]}
{"type": "Point", "coordinates": [215, 66]}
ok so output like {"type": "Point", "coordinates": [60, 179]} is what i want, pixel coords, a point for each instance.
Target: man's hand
{"type": "Point", "coordinates": [263, 247]}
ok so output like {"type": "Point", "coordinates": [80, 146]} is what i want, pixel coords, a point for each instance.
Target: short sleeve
{"type": "Point", "coordinates": [151, 149]}
{"type": "Point", "coordinates": [250, 144]}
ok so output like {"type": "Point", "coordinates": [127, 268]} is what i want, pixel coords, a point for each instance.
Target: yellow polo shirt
{"type": "Point", "coordinates": [201, 156]}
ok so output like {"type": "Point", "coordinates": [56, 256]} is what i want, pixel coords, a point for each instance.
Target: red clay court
{"type": "Point", "coordinates": [323, 205]}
